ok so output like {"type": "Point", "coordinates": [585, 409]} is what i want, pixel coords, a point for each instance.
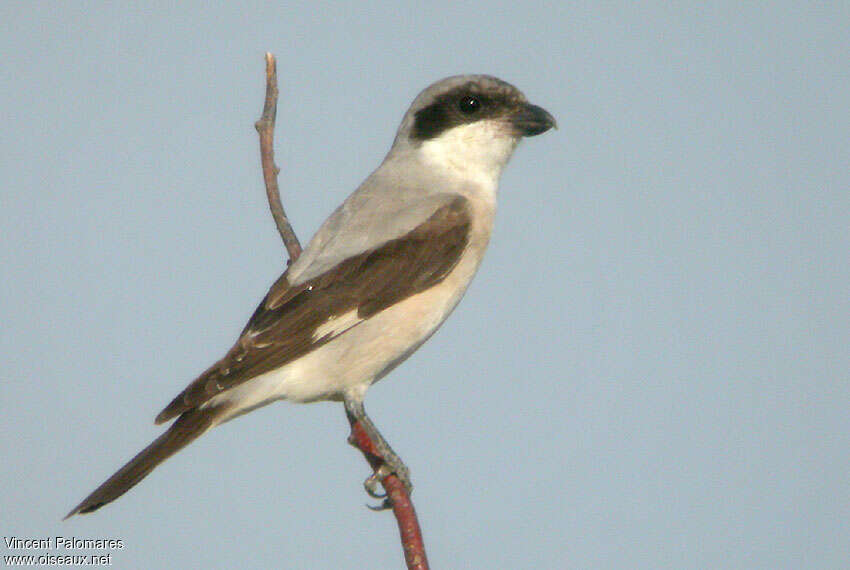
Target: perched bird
{"type": "Point", "coordinates": [379, 277]}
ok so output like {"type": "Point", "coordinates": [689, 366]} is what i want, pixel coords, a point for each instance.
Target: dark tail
{"type": "Point", "coordinates": [182, 432]}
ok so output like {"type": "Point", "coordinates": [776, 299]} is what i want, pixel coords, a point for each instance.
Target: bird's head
{"type": "Point", "coordinates": [470, 125]}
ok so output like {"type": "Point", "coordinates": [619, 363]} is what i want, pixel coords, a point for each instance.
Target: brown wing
{"type": "Point", "coordinates": [283, 326]}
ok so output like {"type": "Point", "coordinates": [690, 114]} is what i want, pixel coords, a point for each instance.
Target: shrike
{"type": "Point", "coordinates": [379, 277]}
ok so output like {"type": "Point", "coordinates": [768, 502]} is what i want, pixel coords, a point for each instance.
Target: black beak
{"type": "Point", "coordinates": [531, 120]}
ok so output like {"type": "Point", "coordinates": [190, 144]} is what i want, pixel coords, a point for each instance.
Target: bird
{"type": "Point", "coordinates": [379, 277]}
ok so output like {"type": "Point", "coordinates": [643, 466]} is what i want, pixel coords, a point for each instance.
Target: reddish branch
{"type": "Point", "coordinates": [399, 498]}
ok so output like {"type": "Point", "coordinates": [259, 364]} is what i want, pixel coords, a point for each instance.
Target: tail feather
{"type": "Point", "coordinates": [182, 432]}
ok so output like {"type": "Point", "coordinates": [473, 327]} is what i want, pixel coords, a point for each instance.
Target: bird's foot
{"type": "Point", "coordinates": [392, 465]}
{"type": "Point", "coordinates": [375, 446]}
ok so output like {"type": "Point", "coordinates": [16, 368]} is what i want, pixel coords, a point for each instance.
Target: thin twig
{"type": "Point", "coordinates": [405, 514]}
{"type": "Point", "coordinates": [265, 127]}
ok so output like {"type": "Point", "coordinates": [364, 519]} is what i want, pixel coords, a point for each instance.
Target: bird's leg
{"type": "Point", "coordinates": [384, 461]}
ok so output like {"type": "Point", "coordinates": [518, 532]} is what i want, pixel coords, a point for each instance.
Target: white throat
{"type": "Point", "coordinates": [477, 151]}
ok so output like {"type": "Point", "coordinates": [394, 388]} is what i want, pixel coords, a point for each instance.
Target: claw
{"type": "Point", "coordinates": [385, 504]}
{"type": "Point", "coordinates": [371, 485]}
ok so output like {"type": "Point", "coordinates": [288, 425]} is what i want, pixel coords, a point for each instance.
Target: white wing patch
{"type": "Point", "coordinates": [337, 324]}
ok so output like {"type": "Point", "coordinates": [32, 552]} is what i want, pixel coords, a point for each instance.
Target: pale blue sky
{"type": "Point", "coordinates": [650, 370]}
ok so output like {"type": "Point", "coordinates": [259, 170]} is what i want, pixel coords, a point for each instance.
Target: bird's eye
{"type": "Point", "coordinates": [469, 104]}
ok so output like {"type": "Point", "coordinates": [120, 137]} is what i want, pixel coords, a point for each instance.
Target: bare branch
{"type": "Point", "coordinates": [265, 127]}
